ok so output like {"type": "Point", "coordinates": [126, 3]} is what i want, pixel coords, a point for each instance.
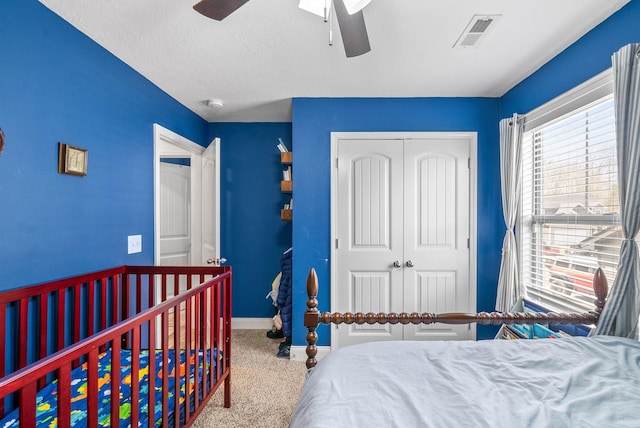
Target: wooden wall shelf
{"type": "Point", "coordinates": [286, 215]}
{"type": "Point", "coordinates": [286, 186]}
{"type": "Point", "coordinates": [286, 157]}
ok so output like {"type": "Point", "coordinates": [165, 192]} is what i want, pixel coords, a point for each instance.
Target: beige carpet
{"type": "Point", "coordinates": [264, 388]}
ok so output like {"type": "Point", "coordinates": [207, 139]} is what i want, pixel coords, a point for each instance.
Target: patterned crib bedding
{"type": "Point", "coordinates": [46, 400]}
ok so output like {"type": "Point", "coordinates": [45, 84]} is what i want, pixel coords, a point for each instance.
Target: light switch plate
{"type": "Point", "coordinates": [134, 244]}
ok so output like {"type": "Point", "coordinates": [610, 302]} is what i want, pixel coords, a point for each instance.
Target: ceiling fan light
{"type": "Point", "coordinates": [354, 6]}
{"type": "Point", "coordinates": [314, 6]}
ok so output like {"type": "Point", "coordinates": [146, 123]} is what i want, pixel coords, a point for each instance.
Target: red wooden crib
{"type": "Point", "coordinates": [167, 328]}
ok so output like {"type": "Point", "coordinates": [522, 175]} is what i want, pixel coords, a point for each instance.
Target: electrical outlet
{"type": "Point", "coordinates": [134, 244]}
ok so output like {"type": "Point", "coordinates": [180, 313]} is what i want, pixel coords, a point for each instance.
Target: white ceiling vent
{"type": "Point", "coordinates": [478, 27]}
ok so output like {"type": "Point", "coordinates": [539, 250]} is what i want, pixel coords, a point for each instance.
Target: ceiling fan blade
{"type": "Point", "coordinates": [352, 29]}
{"type": "Point", "coordinates": [218, 9]}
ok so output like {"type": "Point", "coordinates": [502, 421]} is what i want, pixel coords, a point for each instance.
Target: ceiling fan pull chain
{"type": "Point", "coordinates": [328, 18]}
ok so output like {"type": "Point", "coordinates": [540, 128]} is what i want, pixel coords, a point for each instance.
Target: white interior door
{"type": "Point", "coordinates": [210, 197]}
{"type": "Point", "coordinates": [402, 222]}
{"type": "Point", "coordinates": [203, 205]}
{"type": "Point", "coordinates": [436, 234]}
{"type": "Point", "coordinates": [369, 245]}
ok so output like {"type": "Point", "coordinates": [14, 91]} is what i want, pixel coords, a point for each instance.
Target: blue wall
{"type": "Point", "coordinates": [315, 119]}
{"type": "Point", "coordinates": [58, 85]}
{"type": "Point", "coordinates": [586, 58]}
{"type": "Point", "coordinates": [252, 235]}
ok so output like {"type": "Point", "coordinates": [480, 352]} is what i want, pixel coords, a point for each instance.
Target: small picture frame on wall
{"type": "Point", "coordinates": [72, 160]}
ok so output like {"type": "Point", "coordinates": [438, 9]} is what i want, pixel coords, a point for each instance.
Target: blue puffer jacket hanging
{"type": "Point", "coordinates": [284, 292]}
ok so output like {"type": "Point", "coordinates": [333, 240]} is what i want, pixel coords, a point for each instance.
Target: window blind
{"type": "Point", "coordinates": [570, 215]}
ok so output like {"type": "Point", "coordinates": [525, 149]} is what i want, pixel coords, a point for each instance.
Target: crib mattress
{"type": "Point", "coordinates": [46, 400]}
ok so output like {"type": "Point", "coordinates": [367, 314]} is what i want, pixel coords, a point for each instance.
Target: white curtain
{"type": "Point", "coordinates": [509, 287]}
{"type": "Point", "coordinates": [620, 315]}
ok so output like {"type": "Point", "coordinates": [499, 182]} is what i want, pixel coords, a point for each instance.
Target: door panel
{"type": "Point", "coordinates": [369, 174]}
{"type": "Point", "coordinates": [370, 292]}
{"type": "Point", "coordinates": [436, 179]}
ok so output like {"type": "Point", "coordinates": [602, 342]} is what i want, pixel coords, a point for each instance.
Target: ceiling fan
{"type": "Point", "coordinates": [348, 13]}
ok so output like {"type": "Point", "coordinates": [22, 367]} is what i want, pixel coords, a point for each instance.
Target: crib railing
{"type": "Point", "coordinates": [66, 323]}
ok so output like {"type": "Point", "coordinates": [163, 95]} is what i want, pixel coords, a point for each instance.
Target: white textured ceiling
{"type": "Point", "coordinates": [270, 51]}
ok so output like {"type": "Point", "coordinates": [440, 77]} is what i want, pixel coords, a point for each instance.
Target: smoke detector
{"type": "Point", "coordinates": [477, 27]}
{"type": "Point", "coordinates": [215, 103]}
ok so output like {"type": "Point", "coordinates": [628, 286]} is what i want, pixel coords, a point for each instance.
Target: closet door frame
{"type": "Point", "coordinates": [471, 136]}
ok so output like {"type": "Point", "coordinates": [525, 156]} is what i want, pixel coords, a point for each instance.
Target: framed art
{"type": "Point", "coordinates": [72, 160]}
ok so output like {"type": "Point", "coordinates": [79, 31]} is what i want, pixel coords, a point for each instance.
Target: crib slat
{"type": "Point", "coordinates": [23, 330]}
{"type": "Point", "coordinates": [64, 396]}
{"type": "Point", "coordinates": [92, 388]}
{"type": "Point", "coordinates": [62, 317]}
{"type": "Point", "coordinates": [176, 361]}
{"type": "Point", "coordinates": [135, 371]}
{"type": "Point", "coordinates": [102, 314]}
{"type": "Point", "coordinates": [212, 340]}
{"type": "Point", "coordinates": [187, 357]}
{"type": "Point", "coordinates": [196, 359]}
{"type": "Point", "coordinates": [152, 289]}
{"type": "Point", "coordinates": [27, 411]}
{"type": "Point", "coordinates": [124, 308]}
{"type": "Point", "coordinates": [216, 328]}
{"type": "Point", "coordinates": [103, 303]}
{"type": "Point", "coordinates": [44, 332]}
{"type": "Point", "coordinates": [176, 284]}
{"type": "Point", "coordinates": [3, 347]}
{"type": "Point", "coordinates": [138, 294]}
{"type": "Point", "coordinates": [164, 286]}
{"type": "Point", "coordinates": [165, 370]}
{"type": "Point", "coordinates": [91, 311]}
{"type": "Point", "coordinates": [115, 383]}
{"type": "Point", "coordinates": [152, 371]}
{"type": "Point", "coordinates": [227, 337]}
{"type": "Point", "coordinates": [77, 303]}
{"type": "Point", "coordinates": [115, 296]}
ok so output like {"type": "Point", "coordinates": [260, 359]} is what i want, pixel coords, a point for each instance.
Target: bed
{"type": "Point", "coordinates": [167, 329]}
{"type": "Point", "coordinates": [565, 382]}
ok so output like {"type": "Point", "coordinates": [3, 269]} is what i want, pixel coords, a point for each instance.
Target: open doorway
{"type": "Point", "coordinates": [186, 200]}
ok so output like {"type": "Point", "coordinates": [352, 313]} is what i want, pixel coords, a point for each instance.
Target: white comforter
{"type": "Point", "coordinates": [573, 382]}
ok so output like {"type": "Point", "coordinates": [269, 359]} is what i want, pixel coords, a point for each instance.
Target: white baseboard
{"type": "Point", "coordinates": [252, 323]}
{"type": "Point", "coordinates": [299, 353]}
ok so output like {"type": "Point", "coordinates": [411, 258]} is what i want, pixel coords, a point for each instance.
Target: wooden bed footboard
{"type": "Point", "coordinates": [313, 317]}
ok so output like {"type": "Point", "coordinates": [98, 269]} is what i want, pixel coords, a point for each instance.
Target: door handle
{"type": "Point", "coordinates": [409, 263]}
{"type": "Point", "coordinates": [217, 261]}
{"type": "Point", "coordinates": [396, 264]}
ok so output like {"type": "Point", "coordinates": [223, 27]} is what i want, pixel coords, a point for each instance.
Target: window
{"type": "Point", "coordinates": [569, 218]}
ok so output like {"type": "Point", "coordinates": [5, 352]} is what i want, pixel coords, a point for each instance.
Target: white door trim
{"type": "Point", "coordinates": [473, 154]}
{"type": "Point", "coordinates": [167, 144]}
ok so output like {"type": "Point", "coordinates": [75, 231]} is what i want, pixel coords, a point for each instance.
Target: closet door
{"type": "Point", "coordinates": [436, 232]}
{"type": "Point", "coordinates": [402, 221]}
{"type": "Point", "coordinates": [370, 231]}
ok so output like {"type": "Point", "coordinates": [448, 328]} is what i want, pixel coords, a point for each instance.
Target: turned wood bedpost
{"type": "Point", "coordinates": [312, 318]}
{"type": "Point", "coordinates": [600, 289]}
